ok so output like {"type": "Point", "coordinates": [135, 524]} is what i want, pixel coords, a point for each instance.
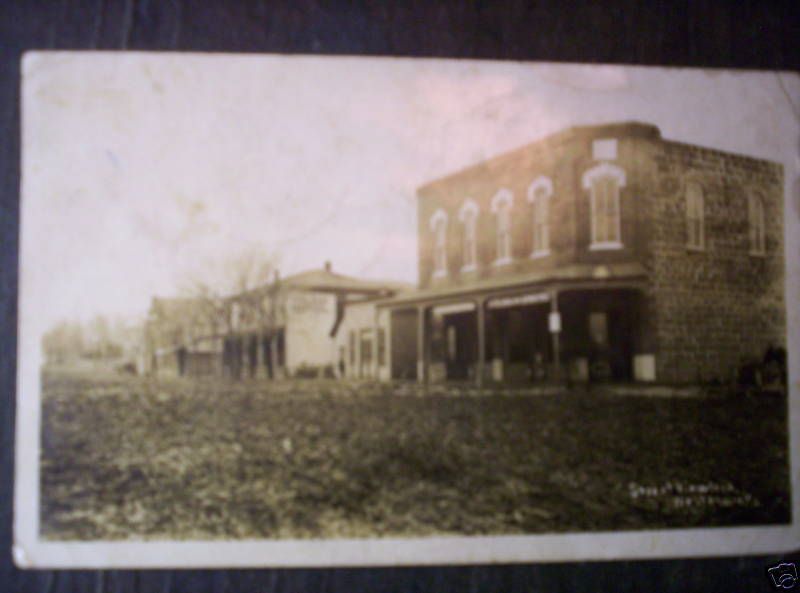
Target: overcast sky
{"type": "Point", "coordinates": [141, 171]}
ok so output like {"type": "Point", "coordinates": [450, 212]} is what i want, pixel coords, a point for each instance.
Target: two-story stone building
{"type": "Point", "coordinates": [604, 252]}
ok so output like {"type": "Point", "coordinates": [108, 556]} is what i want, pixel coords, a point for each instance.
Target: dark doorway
{"type": "Point", "coordinates": [266, 349]}
{"type": "Point", "coordinates": [459, 347]}
{"type": "Point", "coordinates": [181, 361]}
{"type": "Point", "coordinates": [403, 349]}
{"type": "Point", "coordinates": [600, 327]}
{"type": "Point", "coordinates": [519, 344]}
{"type": "Point", "coordinates": [252, 356]}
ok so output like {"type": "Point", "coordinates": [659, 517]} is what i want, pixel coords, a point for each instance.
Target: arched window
{"type": "Point", "coordinates": [604, 183]}
{"type": "Point", "coordinates": [539, 196]}
{"type": "Point", "coordinates": [501, 207]}
{"type": "Point", "coordinates": [468, 215]}
{"type": "Point", "coordinates": [695, 216]}
{"type": "Point", "coordinates": [756, 219]}
{"type": "Point", "coordinates": [439, 228]}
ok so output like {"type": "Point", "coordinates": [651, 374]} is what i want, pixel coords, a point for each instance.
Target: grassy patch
{"type": "Point", "coordinates": [130, 458]}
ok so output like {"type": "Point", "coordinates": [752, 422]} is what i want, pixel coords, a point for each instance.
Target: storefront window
{"type": "Point", "coordinates": [598, 328]}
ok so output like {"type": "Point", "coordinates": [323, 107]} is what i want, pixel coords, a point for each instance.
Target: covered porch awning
{"type": "Point", "coordinates": [573, 276]}
{"type": "Point", "coordinates": [508, 292]}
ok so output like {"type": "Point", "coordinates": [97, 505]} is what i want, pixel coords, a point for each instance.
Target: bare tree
{"type": "Point", "coordinates": [230, 289]}
{"type": "Point", "coordinates": [228, 280]}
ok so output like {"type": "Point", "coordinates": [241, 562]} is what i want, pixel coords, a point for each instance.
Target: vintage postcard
{"type": "Point", "coordinates": [318, 311]}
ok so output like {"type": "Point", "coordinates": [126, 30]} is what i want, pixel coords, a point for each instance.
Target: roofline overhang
{"type": "Point", "coordinates": [633, 276]}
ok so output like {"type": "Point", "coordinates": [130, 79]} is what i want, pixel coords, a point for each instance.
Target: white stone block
{"type": "Point", "coordinates": [497, 369]}
{"type": "Point", "coordinates": [644, 367]}
{"type": "Point", "coordinates": [579, 369]}
{"type": "Point", "coordinates": [604, 149]}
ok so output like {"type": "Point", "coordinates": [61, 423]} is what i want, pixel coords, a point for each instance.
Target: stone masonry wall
{"type": "Point", "coordinates": [716, 307]}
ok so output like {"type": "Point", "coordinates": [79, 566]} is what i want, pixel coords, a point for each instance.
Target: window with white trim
{"type": "Point", "coordinates": [439, 228]}
{"type": "Point", "coordinates": [604, 183]}
{"type": "Point", "coordinates": [756, 224]}
{"type": "Point", "coordinates": [501, 206]}
{"type": "Point", "coordinates": [695, 216]}
{"type": "Point", "coordinates": [469, 219]}
{"type": "Point", "coordinates": [539, 194]}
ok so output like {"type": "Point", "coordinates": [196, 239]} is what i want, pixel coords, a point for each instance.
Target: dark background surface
{"type": "Point", "coordinates": [713, 34]}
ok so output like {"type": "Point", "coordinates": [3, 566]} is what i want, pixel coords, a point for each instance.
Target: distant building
{"type": "Point", "coordinates": [284, 328]}
{"type": "Point", "coordinates": [602, 252]}
{"type": "Point", "coordinates": [288, 328]}
{"type": "Point", "coordinates": [183, 336]}
{"type": "Point", "coordinates": [362, 341]}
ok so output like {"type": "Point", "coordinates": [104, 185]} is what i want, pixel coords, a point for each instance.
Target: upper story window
{"type": "Point", "coordinates": [695, 216]}
{"type": "Point", "coordinates": [439, 228]}
{"type": "Point", "coordinates": [604, 183]}
{"type": "Point", "coordinates": [539, 194]}
{"type": "Point", "coordinates": [468, 215]}
{"type": "Point", "coordinates": [756, 224]}
{"type": "Point", "coordinates": [501, 207]}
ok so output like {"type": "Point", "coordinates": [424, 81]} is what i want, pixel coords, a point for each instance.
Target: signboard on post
{"type": "Point", "coordinates": [554, 322]}
{"type": "Point", "coordinates": [533, 298]}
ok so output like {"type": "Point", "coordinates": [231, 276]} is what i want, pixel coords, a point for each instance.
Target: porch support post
{"type": "Point", "coordinates": [480, 315]}
{"type": "Point", "coordinates": [375, 368]}
{"type": "Point", "coordinates": [555, 338]}
{"type": "Point", "coordinates": [236, 357]}
{"type": "Point", "coordinates": [248, 349]}
{"type": "Point", "coordinates": [243, 356]}
{"type": "Point", "coordinates": [422, 350]}
{"type": "Point", "coordinates": [273, 354]}
{"type": "Point", "coordinates": [388, 345]}
{"type": "Point", "coordinates": [223, 358]}
{"type": "Point", "coordinates": [261, 371]}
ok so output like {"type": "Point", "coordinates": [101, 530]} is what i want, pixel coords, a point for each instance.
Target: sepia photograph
{"type": "Point", "coordinates": [294, 310]}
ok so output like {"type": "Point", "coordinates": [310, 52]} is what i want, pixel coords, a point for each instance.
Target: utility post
{"type": "Point", "coordinates": [422, 350]}
{"type": "Point", "coordinates": [480, 315]}
{"type": "Point", "coordinates": [554, 325]}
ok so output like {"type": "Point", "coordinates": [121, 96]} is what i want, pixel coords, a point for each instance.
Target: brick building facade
{"type": "Point", "coordinates": [603, 251]}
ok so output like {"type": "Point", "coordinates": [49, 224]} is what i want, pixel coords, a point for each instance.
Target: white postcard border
{"type": "Point", "coordinates": [30, 551]}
